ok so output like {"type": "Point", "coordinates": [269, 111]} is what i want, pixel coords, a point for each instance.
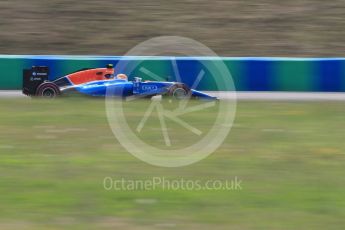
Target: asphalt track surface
{"type": "Point", "coordinates": [251, 96]}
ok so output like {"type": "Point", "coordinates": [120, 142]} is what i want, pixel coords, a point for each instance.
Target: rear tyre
{"type": "Point", "coordinates": [179, 91]}
{"type": "Point", "coordinates": [48, 90]}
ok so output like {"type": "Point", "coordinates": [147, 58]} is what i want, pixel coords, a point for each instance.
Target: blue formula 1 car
{"type": "Point", "coordinates": [101, 82]}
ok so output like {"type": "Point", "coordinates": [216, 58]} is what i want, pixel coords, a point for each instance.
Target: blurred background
{"type": "Point", "coordinates": [301, 28]}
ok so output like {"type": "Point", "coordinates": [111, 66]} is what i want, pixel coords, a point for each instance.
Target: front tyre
{"type": "Point", "coordinates": [179, 91]}
{"type": "Point", "coordinates": [48, 90]}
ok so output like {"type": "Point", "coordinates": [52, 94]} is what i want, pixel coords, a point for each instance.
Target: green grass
{"type": "Point", "coordinates": [55, 154]}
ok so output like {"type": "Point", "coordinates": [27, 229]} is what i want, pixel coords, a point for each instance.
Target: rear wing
{"type": "Point", "coordinates": [33, 77]}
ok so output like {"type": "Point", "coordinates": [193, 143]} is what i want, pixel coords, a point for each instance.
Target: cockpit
{"type": "Point", "coordinates": [110, 74]}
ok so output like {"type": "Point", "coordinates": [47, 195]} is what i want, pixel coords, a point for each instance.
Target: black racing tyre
{"type": "Point", "coordinates": [179, 91]}
{"type": "Point", "coordinates": [48, 90]}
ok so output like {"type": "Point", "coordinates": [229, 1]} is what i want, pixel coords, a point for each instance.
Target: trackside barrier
{"type": "Point", "coordinates": [249, 74]}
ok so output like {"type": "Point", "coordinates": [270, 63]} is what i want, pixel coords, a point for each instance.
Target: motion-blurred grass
{"type": "Point", "coordinates": [55, 154]}
{"type": "Point", "coordinates": [231, 28]}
